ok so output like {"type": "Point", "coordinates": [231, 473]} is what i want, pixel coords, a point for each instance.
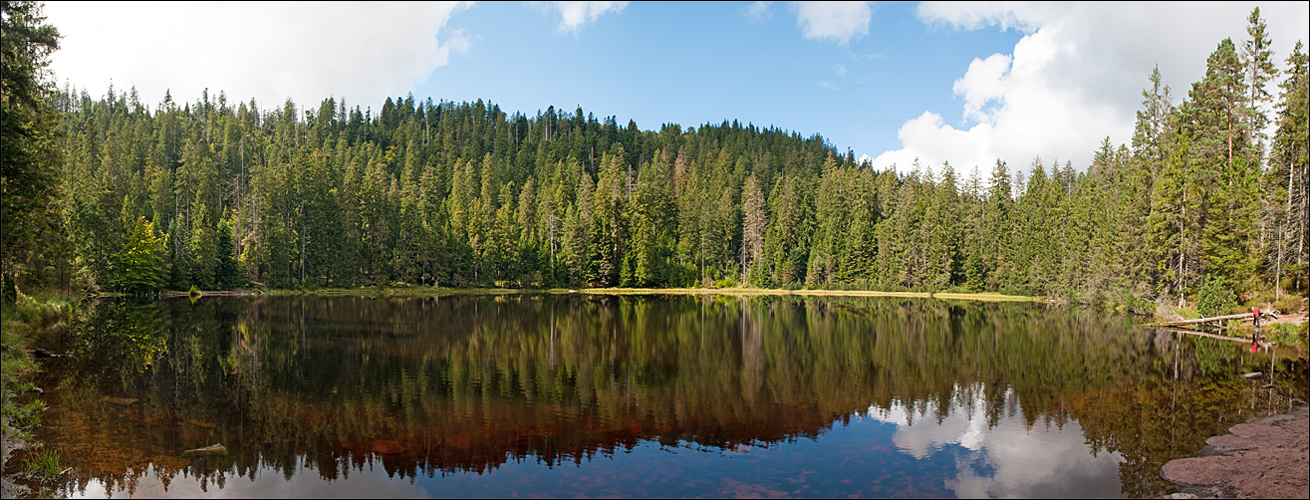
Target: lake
{"type": "Point", "coordinates": [636, 396]}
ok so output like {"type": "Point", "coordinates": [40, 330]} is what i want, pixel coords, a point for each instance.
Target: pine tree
{"type": "Point", "coordinates": [29, 157]}
{"type": "Point", "coordinates": [226, 273]}
{"type": "Point", "coordinates": [138, 263]}
{"type": "Point", "coordinates": [1218, 122]}
{"type": "Point", "coordinates": [1289, 174]}
{"type": "Point", "coordinates": [1259, 69]}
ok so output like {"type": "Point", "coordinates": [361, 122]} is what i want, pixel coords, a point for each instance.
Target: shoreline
{"type": "Point", "coordinates": [734, 292]}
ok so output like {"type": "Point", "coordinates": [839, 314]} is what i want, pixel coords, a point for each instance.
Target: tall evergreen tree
{"type": "Point", "coordinates": [29, 157]}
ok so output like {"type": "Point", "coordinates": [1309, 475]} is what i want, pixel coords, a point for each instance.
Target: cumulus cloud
{"type": "Point", "coordinates": [838, 22]}
{"type": "Point", "coordinates": [1074, 78]}
{"type": "Point", "coordinates": [268, 51]}
{"type": "Point", "coordinates": [573, 15]}
{"type": "Point", "coordinates": [930, 141]}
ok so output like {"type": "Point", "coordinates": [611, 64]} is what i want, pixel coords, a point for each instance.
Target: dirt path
{"type": "Point", "coordinates": [1266, 458]}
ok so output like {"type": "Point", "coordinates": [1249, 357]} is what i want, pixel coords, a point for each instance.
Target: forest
{"type": "Point", "coordinates": [110, 194]}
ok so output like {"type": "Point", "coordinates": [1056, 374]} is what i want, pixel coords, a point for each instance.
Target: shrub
{"type": "Point", "coordinates": [1215, 297]}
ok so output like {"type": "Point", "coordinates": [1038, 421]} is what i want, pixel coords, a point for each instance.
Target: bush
{"type": "Point", "coordinates": [1287, 333]}
{"type": "Point", "coordinates": [1289, 304]}
{"type": "Point", "coordinates": [1215, 297]}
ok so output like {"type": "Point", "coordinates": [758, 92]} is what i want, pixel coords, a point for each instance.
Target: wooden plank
{"type": "Point", "coordinates": [1202, 320]}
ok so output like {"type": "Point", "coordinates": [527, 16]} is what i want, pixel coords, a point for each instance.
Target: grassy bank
{"type": "Point", "coordinates": [20, 412]}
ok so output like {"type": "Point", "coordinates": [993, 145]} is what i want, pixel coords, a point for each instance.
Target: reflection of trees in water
{"type": "Point", "coordinates": [427, 385]}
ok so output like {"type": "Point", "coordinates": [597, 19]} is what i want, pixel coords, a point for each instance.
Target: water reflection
{"type": "Point", "coordinates": [659, 396]}
{"type": "Point", "coordinates": [1008, 460]}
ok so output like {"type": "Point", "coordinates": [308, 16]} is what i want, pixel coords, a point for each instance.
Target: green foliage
{"type": "Point", "coordinates": [29, 156]}
{"type": "Point", "coordinates": [44, 466]}
{"type": "Point", "coordinates": [1215, 297]}
{"type": "Point", "coordinates": [1287, 333]}
{"type": "Point", "coordinates": [226, 273]}
{"type": "Point", "coordinates": [139, 269]}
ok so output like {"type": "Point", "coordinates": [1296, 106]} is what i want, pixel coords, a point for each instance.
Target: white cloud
{"type": "Point", "coordinates": [983, 83]}
{"type": "Point", "coordinates": [758, 12]}
{"type": "Point", "coordinates": [839, 69]}
{"type": "Point", "coordinates": [575, 14]}
{"type": "Point", "coordinates": [833, 21]}
{"type": "Point", "coordinates": [824, 84]}
{"type": "Point", "coordinates": [268, 51]}
{"type": "Point", "coordinates": [1075, 77]}
{"type": "Point", "coordinates": [931, 141]}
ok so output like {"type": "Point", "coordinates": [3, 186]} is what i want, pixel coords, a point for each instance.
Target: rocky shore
{"type": "Point", "coordinates": [1266, 458]}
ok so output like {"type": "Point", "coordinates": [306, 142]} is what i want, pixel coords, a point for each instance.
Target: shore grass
{"type": "Point", "coordinates": [19, 321]}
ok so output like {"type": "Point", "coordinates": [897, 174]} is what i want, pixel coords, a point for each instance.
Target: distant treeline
{"type": "Point", "coordinates": [213, 194]}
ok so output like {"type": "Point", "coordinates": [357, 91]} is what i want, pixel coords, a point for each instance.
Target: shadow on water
{"type": "Point", "coordinates": [762, 396]}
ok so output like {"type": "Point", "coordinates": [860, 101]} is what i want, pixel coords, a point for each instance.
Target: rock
{"type": "Point", "coordinates": [120, 401]}
{"type": "Point", "coordinates": [213, 449]}
{"type": "Point", "coordinates": [1253, 375]}
{"type": "Point", "coordinates": [1181, 495]}
{"type": "Point", "coordinates": [1261, 459]}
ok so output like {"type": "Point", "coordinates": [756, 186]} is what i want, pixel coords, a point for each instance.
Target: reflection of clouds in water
{"type": "Point", "coordinates": [268, 483]}
{"type": "Point", "coordinates": [1008, 460]}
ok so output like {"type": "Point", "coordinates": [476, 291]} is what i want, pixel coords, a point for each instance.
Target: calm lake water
{"type": "Point", "coordinates": [634, 396]}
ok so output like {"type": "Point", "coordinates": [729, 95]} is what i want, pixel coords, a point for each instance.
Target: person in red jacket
{"type": "Point", "coordinates": [1255, 337]}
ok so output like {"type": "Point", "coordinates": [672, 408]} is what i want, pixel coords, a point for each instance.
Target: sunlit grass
{"type": "Point", "coordinates": [985, 297]}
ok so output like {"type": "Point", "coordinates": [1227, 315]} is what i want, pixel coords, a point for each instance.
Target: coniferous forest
{"type": "Point", "coordinates": [114, 194]}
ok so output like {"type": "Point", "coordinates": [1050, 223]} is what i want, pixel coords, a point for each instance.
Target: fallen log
{"type": "Point", "coordinates": [1202, 320]}
{"type": "Point", "coordinates": [1242, 340]}
{"type": "Point", "coordinates": [215, 449]}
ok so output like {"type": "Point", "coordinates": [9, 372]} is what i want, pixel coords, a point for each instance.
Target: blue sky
{"type": "Point", "coordinates": [961, 82]}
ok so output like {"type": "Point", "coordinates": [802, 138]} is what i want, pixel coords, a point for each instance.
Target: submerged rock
{"type": "Point", "coordinates": [213, 449]}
